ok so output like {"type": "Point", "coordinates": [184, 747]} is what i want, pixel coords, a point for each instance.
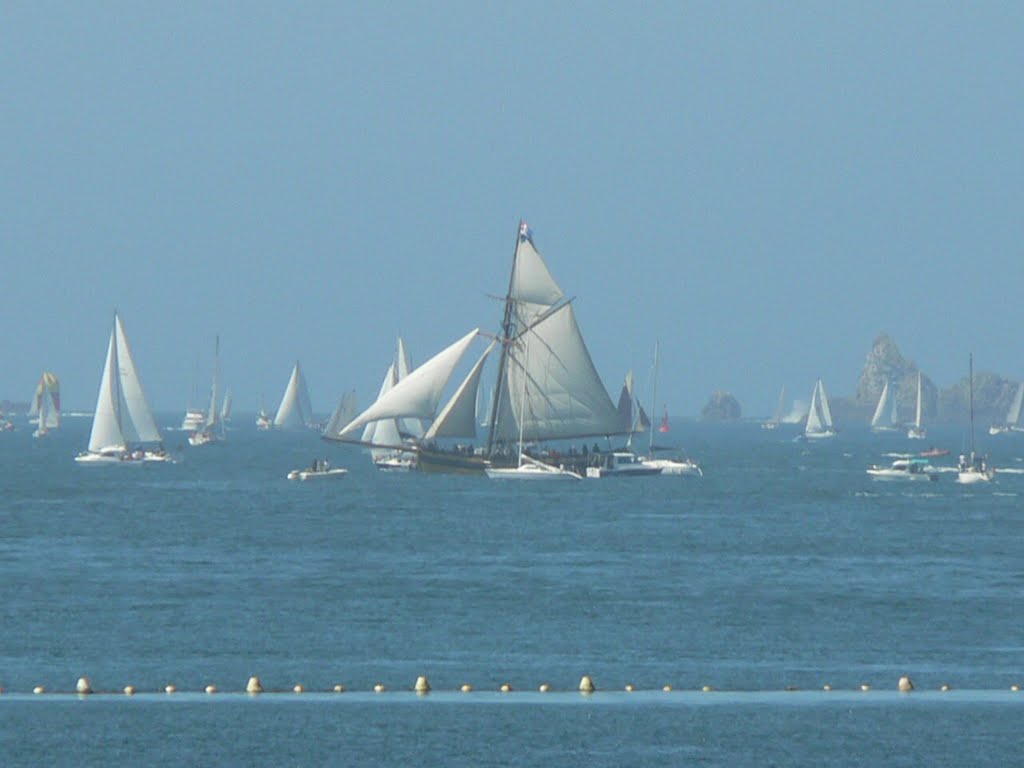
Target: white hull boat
{"type": "Point", "coordinates": [913, 470]}
{"type": "Point", "coordinates": [972, 468]}
{"type": "Point", "coordinates": [320, 470]}
{"type": "Point", "coordinates": [621, 464]}
{"type": "Point", "coordinates": [531, 469]}
{"type": "Point", "coordinates": [676, 466]}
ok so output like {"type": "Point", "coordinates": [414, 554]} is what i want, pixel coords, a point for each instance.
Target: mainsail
{"type": "Point", "coordinates": [814, 423]}
{"type": "Point", "coordinates": [565, 397]}
{"type": "Point", "coordinates": [295, 410]}
{"type": "Point", "coordinates": [878, 420]}
{"type": "Point", "coordinates": [1013, 416]}
{"type": "Point", "coordinates": [343, 414]}
{"type": "Point", "coordinates": [46, 402]}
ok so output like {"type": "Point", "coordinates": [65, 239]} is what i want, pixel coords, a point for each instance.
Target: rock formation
{"type": "Point", "coordinates": [721, 407]}
{"type": "Point", "coordinates": [885, 363]}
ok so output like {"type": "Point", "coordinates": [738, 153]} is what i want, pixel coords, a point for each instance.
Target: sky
{"type": "Point", "coordinates": [760, 187]}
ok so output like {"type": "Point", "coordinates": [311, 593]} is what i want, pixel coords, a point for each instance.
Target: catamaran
{"type": "Point", "coordinates": [917, 430]}
{"type": "Point", "coordinates": [1012, 416]}
{"type": "Point", "coordinates": [885, 417]}
{"type": "Point", "coordinates": [123, 429]}
{"type": "Point", "coordinates": [212, 429]}
{"type": "Point", "coordinates": [46, 404]}
{"type": "Point", "coordinates": [295, 411]}
{"type": "Point", "coordinates": [819, 417]}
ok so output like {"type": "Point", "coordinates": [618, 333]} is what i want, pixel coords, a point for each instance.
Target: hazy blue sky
{"type": "Point", "coordinates": [762, 186]}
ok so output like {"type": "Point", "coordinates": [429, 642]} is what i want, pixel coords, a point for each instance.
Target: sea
{"type": "Point", "coordinates": [782, 571]}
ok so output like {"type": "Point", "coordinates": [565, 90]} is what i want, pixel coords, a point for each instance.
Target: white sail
{"type": "Point", "coordinates": [212, 414]}
{"type": "Point", "coordinates": [411, 427]}
{"type": "Point", "coordinates": [418, 395]}
{"type": "Point", "coordinates": [106, 429]}
{"type": "Point", "coordinates": [882, 408]}
{"type": "Point", "coordinates": [138, 425]}
{"type": "Point", "coordinates": [1013, 416]}
{"type": "Point", "coordinates": [532, 283]}
{"type": "Point", "coordinates": [46, 402]}
{"type": "Point", "coordinates": [566, 398]}
{"type": "Point", "coordinates": [225, 411]}
{"type": "Point", "coordinates": [390, 379]}
{"type": "Point", "coordinates": [780, 406]}
{"type": "Point", "coordinates": [813, 414]}
{"type": "Point", "coordinates": [458, 417]}
{"type": "Point", "coordinates": [826, 412]}
{"type": "Point", "coordinates": [295, 410]}
{"type": "Point", "coordinates": [343, 413]}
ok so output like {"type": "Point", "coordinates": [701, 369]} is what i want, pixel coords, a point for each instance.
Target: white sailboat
{"type": "Point", "coordinates": [212, 429]}
{"type": "Point", "coordinates": [295, 411]}
{"type": "Point", "coordinates": [194, 417]}
{"type": "Point", "coordinates": [225, 411]}
{"type": "Point", "coordinates": [1012, 423]}
{"type": "Point", "coordinates": [973, 468]}
{"type": "Point", "coordinates": [343, 413]}
{"type": "Point", "coordinates": [264, 421]}
{"type": "Point", "coordinates": [884, 419]}
{"type": "Point", "coordinates": [917, 430]}
{"type": "Point", "coordinates": [123, 429]}
{"type": "Point", "coordinates": [566, 399]}
{"type": "Point", "coordinates": [668, 466]}
{"type": "Point", "coordinates": [46, 404]}
{"type": "Point", "coordinates": [819, 417]}
{"type": "Point", "coordinates": [776, 419]}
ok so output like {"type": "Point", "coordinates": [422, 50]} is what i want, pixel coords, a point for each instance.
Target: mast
{"type": "Point", "coordinates": [506, 331]}
{"type": "Point", "coordinates": [654, 395]}
{"type": "Point", "coordinates": [970, 385]}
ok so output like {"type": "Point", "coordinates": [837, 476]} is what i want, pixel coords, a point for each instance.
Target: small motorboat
{"type": "Point", "coordinates": [933, 452]}
{"type": "Point", "coordinates": [620, 464]}
{"type": "Point", "coordinates": [318, 469]}
{"type": "Point", "coordinates": [904, 469]}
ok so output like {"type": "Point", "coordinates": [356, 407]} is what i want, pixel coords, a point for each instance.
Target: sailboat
{"type": "Point", "coordinates": [1012, 416]}
{"type": "Point", "coordinates": [565, 399]}
{"type": "Point", "coordinates": [212, 429]}
{"type": "Point", "coordinates": [225, 411]}
{"type": "Point", "coordinates": [917, 430]}
{"type": "Point", "coordinates": [194, 417]}
{"type": "Point", "coordinates": [973, 469]}
{"type": "Point", "coordinates": [668, 466]}
{"type": "Point", "coordinates": [295, 411]}
{"type": "Point", "coordinates": [663, 427]}
{"type": "Point", "coordinates": [884, 419]}
{"type": "Point", "coordinates": [529, 468]}
{"type": "Point", "coordinates": [46, 404]}
{"type": "Point", "coordinates": [342, 414]}
{"type": "Point", "coordinates": [819, 417]}
{"type": "Point", "coordinates": [776, 419]}
{"type": "Point", "coordinates": [123, 429]}
{"type": "Point", "coordinates": [263, 419]}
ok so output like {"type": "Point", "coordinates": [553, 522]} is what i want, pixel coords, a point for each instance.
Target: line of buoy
{"type": "Point", "coordinates": [84, 687]}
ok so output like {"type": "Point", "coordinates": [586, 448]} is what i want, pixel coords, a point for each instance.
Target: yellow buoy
{"type": "Point", "coordinates": [544, 688]}
{"type": "Point", "coordinates": [1013, 688]}
{"type": "Point", "coordinates": [129, 690]}
{"type": "Point", "coordinates": [83, 686]}
{"type": "Point", "coordinates": [39, 689]}
{"type": "Point", "coordinates": [170, 688]}
{"type": "Point", "coordinates": [629, 688]}
{"type": "Point", "coordinates": [826, 687]}
{"type": "Point", "coordinates": [865, 687]}
{"type": "Point", "coordinates": [586, 684]}
{"type": "Point", "coordinates": [299, 688]}
{"type": "Point", "coordinates": [707, 689]}
{"type": "Point", "coordinates": [254, 685]}
{"type": "Point", "coordinates": [378, 688]}
{"type": "Point", "coordinates": [666, 688]}
{"type": "Point", "coordinates": [906, 684]}
{"type": "Point", "coordinates": [505, 687]}
{"type": "Point", "coordinates": [339, 688]}
{"type": "Point", "coordinates": [422, 684]}
{"type": "Point", "coordinates": [211, 688]}
{"type": "Point", "coordinates": [945, 687]}
{"type": "Point", "coordinates": [466, 688]}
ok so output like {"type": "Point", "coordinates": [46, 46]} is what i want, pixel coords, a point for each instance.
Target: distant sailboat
{"type": "Point", "coordinates": [663, 427]}
{"type": "Point", "coordinates": [225, 411]}
{"type": "Point", "coordinates": [973, 468]}
{"type": "Point", "coordinates": [263, 419]}
{"type": "Point", "coordinates": [212, 429]}
{"type": "Point", "coordinates": [668, 466]}
{"type": "Point", "coordinates": [123, 429]}
{"type": "Point", "coordinates": [917, 430]}
{"type": "Point", "coordinates": [46, 404]}
{"type": "Point", "coordinates": [295, 411]}
{"type": "Point", "coordinates": [776, 419]}
{"type": "Point", "coordinates": [884, 419]}
{"type": "Point", "coordinates": [1012, 423]}
{"type": "Point", "coordinates": [343, 413]}
{"type": "Point", "coordinates": [819, 417]}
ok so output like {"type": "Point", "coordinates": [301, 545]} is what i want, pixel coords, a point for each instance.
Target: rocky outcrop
{"type": "Point", "coordinates": [992, 397]}
{"type": "Point", "coordinates": [885, 363]}
{"type": "Point", "coordinates": [721, 407]}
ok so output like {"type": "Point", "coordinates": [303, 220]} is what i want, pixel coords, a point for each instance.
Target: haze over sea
{"type": "Point", "coordinates": [784, 566]}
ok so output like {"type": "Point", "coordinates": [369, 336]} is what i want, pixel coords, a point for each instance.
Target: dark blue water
{"type": "Point", "coordinates": [785, 566]}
